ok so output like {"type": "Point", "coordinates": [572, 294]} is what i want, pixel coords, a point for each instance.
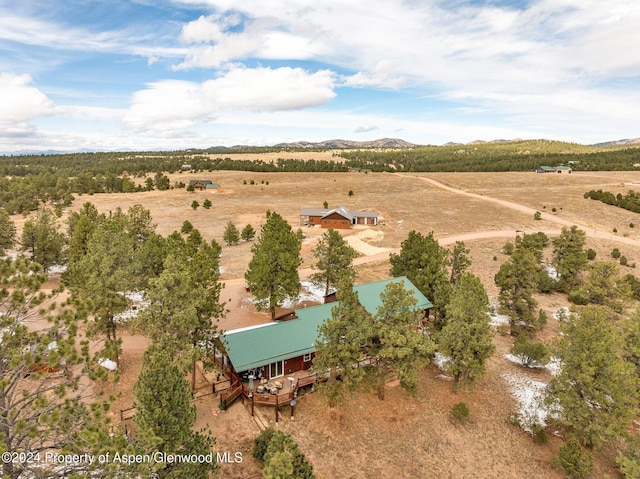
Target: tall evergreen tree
{"type": "Point", "coordinates": [518, 281]}
{"type": "Point", "coordinates": [248, 233]}
{"type": "Point", "coordinates": [466, 339]}
{"type": "Point", "coordinates": [459, 261]}
{"type": "Point", "coordinates": [334, 259]}
{"type": "Point", "coordinates": [7, 232]}
{"type": "Point", "coordinates": [184, 306]}
{"type": "Point", "coordinates": [231, 234]}
{"type": "Point", "coordinates": [273, 276]}
{"type": "Point", "coordinates": [45, 398]}
{"type": "Point", "coordinates": [596, 389]}
{"type": "Point", "coordinates": [569, 256]}
{"type": "Point", "coordinates": [604, 286]}
{"type": "Point", "coordinates": [631, 350]}
{"type": "Point", "coordinates": [340, 344]}
{"type": "Point", "coordinates": [423, 261]}
{"type": "Point", "coordinates": [99, 279]}
{"type": "Point", "coordinates": [395, 343]}
{"type": "Point", "coordinates": [41, 238]}
{"type": "Point", "coordinates": [165, 417]}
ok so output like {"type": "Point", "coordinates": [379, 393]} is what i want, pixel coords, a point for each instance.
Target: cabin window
{"type": "Point", "coordinates": [306, 358]}
{"type": "Point", "coordinates": [276, 369]}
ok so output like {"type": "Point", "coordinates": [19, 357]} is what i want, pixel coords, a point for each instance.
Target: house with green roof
{"type": "Point", "coordinates": [272, 350]}
{"type": "Point", "coordinates": [553, 169]}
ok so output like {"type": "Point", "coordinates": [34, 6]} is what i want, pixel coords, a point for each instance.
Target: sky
{"type": "Point", "coordinates": [175, 74]}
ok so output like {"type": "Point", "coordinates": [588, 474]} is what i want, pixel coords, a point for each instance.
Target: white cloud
{"type": "Point", "coordinates": [20, 103]}
{"type": "Point", "coordinates": [172, 104]}
{"type": "Point", "coordinates": [450, 49]}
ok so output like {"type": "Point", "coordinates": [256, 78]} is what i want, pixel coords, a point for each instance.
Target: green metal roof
{"type": "Point", "coordinates": [369, 294]}
{"type": "Point", "coordinates": [256, 346]}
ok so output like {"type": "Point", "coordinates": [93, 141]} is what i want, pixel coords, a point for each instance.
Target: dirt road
{"type": "Point", "coordinates": [242, 313]}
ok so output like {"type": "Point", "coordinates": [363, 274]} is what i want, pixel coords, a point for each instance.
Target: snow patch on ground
{"type": "Point", "coordinates": [137, 304]}
{"type": "Point", "coordinates": [108, 364]}
{"type": "Point", "coordinates": [441, 361]}
{"type": "Point", "coordinates": [552, 272]}
{"type": "Point", "coordinates": [496, 318]}
{"type": "Point", "coordinates": [554, 366]}
{"type": "Point", "coordinates": [530, 394]}
{"type": "Point", "coordinates": [561, 314]}
{"type": "Point", "coordinates": [309, 292]}
{"type": "Point", "coordinates": [57, 269]}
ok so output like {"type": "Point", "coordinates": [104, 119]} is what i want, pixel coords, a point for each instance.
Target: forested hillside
{"type": "Point", "coordinates": [30, 180]}
{"type": "Point", "coordinates": [507, 156]}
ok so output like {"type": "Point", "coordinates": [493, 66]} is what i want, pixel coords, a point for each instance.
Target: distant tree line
{"type": "Point", "coordinates": [630, 201]}
{"type": "Point", "coordinates": [27, 181]}
{"type": "Point", "coordinates": [508, 156]}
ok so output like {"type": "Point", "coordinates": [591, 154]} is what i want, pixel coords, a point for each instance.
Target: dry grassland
{"type": "Point", "coordinates": [402, 436]}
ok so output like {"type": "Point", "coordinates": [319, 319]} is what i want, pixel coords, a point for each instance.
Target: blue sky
{"type": "Point", "coordinates": [153, 74]}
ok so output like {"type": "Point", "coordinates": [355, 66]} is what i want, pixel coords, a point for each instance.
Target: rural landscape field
{"type": "Point", "coordinates": [404, 435]}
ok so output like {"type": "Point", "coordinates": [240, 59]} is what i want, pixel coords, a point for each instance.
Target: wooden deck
{"type": "Point", "coordinates": [284, 395]}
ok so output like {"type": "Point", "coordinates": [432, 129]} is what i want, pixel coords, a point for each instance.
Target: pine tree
{"type": "Point", "coordinates": [45, 401]}
{"type": "Point", "coordinates": [596, 390]}
{"type": "Point", "coordinates": [187, 227]}
{"type": "Point", "coordinates": [183, 301]}
{"type": "Point", "coordinates": [340, 344]}
{"type": "Point", "coordinates": [466, 339]}
{"type": "Point", "coordinates": [395, 343]}
{"type": "Point", "coordinates": [41, 238]}
{"type": "Point", "coordinates": [99, 279]}
{"type": "Point", "coordinates": [7, 232]}
{"type": "Point", "coordinates": [423, 261]}
{"type": "Point", "coordinates": [631, 330]}
{"type": "Point", "coordinates": [334, 261]}
{"type": "Point", "coordinates": [459, 261]}
{"type": "Point", "coordinates": [165, 416]}
{"type": "Point", "coordinates": [272, 276]}
{"type": "Point", "coordinates": [604, 286]}
{"type": "Point", "coordinates": [248, 233]}
{"type": "Point", "coordinates": [231, 234]}
{"type": "Point", "coordinates": [518, 281]}
{"type": "Point", "coordinates": [569, 256]}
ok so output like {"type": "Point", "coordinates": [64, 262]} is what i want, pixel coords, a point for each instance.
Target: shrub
{"type": "Point", "coordinates": [629, 460]}
{"type": "Point", "coordinates": [579, 296]}
{"type": "Point", "coordinates": [615, 253]}
{"type": "Point", "coordinates": [195, 204]}
{"type": "Point", "coordinates": [615, 230]}
{"type": "Point", "coordinates": [573, 460]}
{"type": "Point", "coordinates": [553, 210]}
{"type": "Point", "coordinates": [187, 227]}
{"type": "Point", "coordinates": [631, 225]}
{"type": "Point", "coordinates": [350, 193]}
{"type": "Point", "coordinates": [529, 354]}
{"type": "Point", "coordinates": [207, 204]}
{"type": "Point", "coordinates": [460, 411]}
{"type": "Point", "coordinates": [623, 260]}
{"type": "Point", "coordinates": [537, 215]}
{"type": "Point", "coordinates": [508, 248]}
{"type": "Point", "coordinates": [591, 254]}
{"type": "Point", "coordinates": [261, 443]}
{"type": "Point", "coordinates": [540, 435]}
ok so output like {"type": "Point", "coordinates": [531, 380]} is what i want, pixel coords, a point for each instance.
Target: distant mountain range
{"type": "Point", "coordinates": [328, 144]}
{"type": "Point", "coordinates": [628, 141]}
{"type": "Point", "coordinates": [381, 143]}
